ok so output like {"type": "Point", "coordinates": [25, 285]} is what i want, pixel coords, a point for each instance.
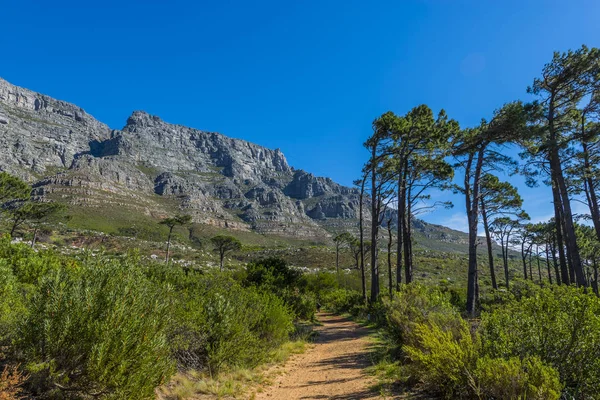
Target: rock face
{"type": "Point", "coordinates": [67, 154]}
{"type": "Point", "coordinates": [38, 133]}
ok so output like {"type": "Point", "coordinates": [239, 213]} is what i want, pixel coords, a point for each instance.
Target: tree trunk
{"type": "Point", "coordinates": [571, 240]}
{"type": "Point", "coordinates": [564, 270]}
{"type": "Point", "coordinates": [548, 264]}
{"type": "Point", "coordinates": [524, 258]}
{"type": "Point", "coordinates": [375, 208]}
{"type": "Point", "coordinates": [595, 284]}
{"type": "Point", "coordinates": [488, 239]}
{"type": "Point", "coordinates": [362, 242]}
{"type": "Point", "coordinates": [530, 251]}
{"type": "Point", "coordinates": [555, 261]}
{"type": "Point", "coordinates": [401, 212]}
{"type": "Point", "coordinates": [337, 260]}
{"type": "Point", "coordinates": [589, 186]}
{"type": "Point", "coordinates": [472, 214]}
{"type": "Point", "coordinates": [389, 258]}
{"type": "Point", "coordinates": [410, 263]}
{"type": "Point", "coordinates": [13, 229]}
{"type": "Point", "coordinates": [505, 259]}
{"type": "Point", "coordinates": [222, 257]}
{"type": "Point", "coordinates": [35, 231]}
{"type": "Point", "coordinates": [537, 256]}
{"type": "Point", "coordinates": [407, 242]}
{"type": "Point", "coordinates": [168, 245]}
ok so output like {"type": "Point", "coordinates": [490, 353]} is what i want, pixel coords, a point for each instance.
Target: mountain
{"type": "Point", "coordinates": [232, 183]}
{"type": "Point", "coordinates": [153, 168]}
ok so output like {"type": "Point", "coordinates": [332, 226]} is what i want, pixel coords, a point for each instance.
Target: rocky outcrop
{"type": "Point", "coordinates": [232, 183]}
{"type": "Point", "coordinates": [41, 133]}
{"type": "Point", "coordinates": [175, 147]}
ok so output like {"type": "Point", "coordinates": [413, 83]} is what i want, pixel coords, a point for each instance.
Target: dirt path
{"type": "Point", "coordinates": [333, 368]}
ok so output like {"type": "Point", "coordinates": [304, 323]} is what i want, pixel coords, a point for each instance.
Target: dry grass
{"type": "Point", "coordinates": [11, 380]}
{"type": "Point", "coordinates": [227, 385]}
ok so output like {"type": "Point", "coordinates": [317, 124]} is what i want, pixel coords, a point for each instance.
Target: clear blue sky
{"type": "Point", "coordinates": [304, 76]}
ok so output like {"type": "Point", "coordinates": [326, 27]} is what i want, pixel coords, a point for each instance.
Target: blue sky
{"type": "Point", "coordinates": [304, 76]}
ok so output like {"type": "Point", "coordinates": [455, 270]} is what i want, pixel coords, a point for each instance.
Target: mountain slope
{"type": "Point", "coordinates": [151, 169]}
{"type": "Point", "coordinates": [156, 168]}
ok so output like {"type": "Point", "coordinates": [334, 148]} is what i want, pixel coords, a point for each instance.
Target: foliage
{"type": "Point", "coordinates": [273, 275]}
{"type": "Point", "coordinates": [224, 244]}
{"type": "Point", "coordinates": [33, 212]}
{"type": "Point", "coordinates": [513, 378]}
{"type": "Point", "coordinates": [99, 328]}
{"type": "Point", "coordinates": [177, 220]}
{"type": "Point", "coordinates": [444, 358]}
{"type": "Point", "coordinates": [12, 188]}
{"type": "Point", "coordinates": [416, 304]}
{"type": "Point", "coordinates": [27, 265]}
{"type": "Point", "coordinates": [320, 283]}
{"type": "Point", "coordinates": [560, 325]}
{"type": "Point", "coordinates": [224, 325]}
{"type": "Point", "coordinates": [11, 380]}
{"type": "Point", "coordinates": [343, 300]}
{"type": "Point", "coordinates": [11, 303]}
{"type": "Point", "coordinates": [171, 223]}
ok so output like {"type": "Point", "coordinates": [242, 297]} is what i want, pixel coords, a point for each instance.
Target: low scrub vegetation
{"type": "Point", "coordinates": [119, 327]}
{"type": "Point", "coordinates": [529, 343]}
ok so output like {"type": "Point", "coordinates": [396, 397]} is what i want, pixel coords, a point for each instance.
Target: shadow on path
{"type": "Point", "coordinates": [334, 368]}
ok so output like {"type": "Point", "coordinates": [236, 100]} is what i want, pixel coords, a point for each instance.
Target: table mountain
{"type": "Point", "coordinates": [157, 168]}
{"type": "Point", "coordinates": [154, 169]}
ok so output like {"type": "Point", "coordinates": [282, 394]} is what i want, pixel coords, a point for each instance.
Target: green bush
{"type": "Point", "coordinates": [273, 275]}
{"type": "Point", "coordinates": [303, 305]}
{"type": "Point", "coordinates": [225, 325]}
{"type": "Point", "coordinates": [514, 378]}
{"type": "Point", "coordinates": [98, 329]}
{"type": "Point", "coordinates": [519, 289]}
{"type": "Point", "coordinates": [343, 300]}
{"type": "Point", "coordinates": [416, 304]}
{"type": "Point", "coordinates": [444, 360]}
{"type": "Point", "coordinates": [321, 283]}
{"type": "Point", "coordinates": [11, 303]}
{"type": "Point", "coordinates": [28, 265]}
{"type": "Point", "coordinates": [560, 326]}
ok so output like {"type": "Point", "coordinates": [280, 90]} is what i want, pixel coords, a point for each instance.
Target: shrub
{"type": "Point", "coordinates": [11, 303]}
{"type": "Point", "coordinates": [321, 283]}
{"type": "Point", "coordinates": [519, 289]}
{"type": "Point", "coordinates": [303, 305]}
{"type": "Point", "coordinates": [343, 300]}
{"type": "Point", "coordinates": [273, 275]}
{"type": "Point", "coordinates": [275, 321]}
{"type": "Point", "coordinates": [11, 380]}
{"type": "Point", "coordinates": [514, 378]}
{"type": "Point", "coordinates": [28, 265]}
{"type": "Point", "coordinates": [561, 326]}
{"type": "Point", "coordinates": [416, 304]}
{"type": "Point", "coordinates": [444, 360]}
{"type": "Point", "coordinates": [100, 329]}
{"type": "Point", "coordinates": [227, 326]}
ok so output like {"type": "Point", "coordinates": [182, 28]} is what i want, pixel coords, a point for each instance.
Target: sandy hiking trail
{"type": "Point", "coordinates": [332, 368]}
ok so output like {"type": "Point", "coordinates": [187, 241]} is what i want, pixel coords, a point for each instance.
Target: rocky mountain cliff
{"type": "Point", "coordinates": [156, 168]}
{"type": "Point", "coordinates": [153, 169]}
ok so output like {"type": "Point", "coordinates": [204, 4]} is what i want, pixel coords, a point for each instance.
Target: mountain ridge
{"type": "Point", "coordinates": [218, 180]}
{"type": "Point", "coordinates": [157, 168]}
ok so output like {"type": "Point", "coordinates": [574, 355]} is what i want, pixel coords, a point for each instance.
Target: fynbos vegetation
{"type": "Point", "coordinates": [516, 315]}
